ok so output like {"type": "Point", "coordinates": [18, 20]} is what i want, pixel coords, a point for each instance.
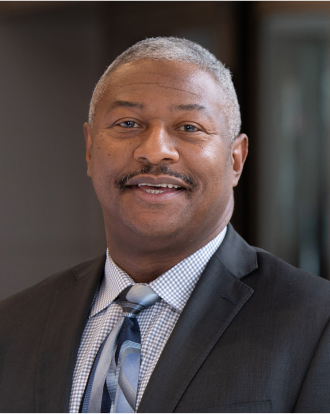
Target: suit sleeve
{"type": "Point", "coordinates": [314, 396]}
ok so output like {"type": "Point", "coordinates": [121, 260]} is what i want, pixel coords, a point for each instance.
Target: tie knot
{"type": "Point", "coordinates": [136, 298]}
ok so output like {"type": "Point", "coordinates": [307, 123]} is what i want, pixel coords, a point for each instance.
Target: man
{"type": "Point", "coordinates": [233, 329]}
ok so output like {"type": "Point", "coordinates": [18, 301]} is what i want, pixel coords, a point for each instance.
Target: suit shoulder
{"type": "Point", "coordinates": [44, 289]}
{"type": "Point", "coordinates": [276, 272]}
{"type": "Point", "coordinates": [268, 259]}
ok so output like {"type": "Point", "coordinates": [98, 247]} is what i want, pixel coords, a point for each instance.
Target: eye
{"type": "Point", "coordinates": [188, 128]}
{"type": "Point", "coordinates": [129, 124]}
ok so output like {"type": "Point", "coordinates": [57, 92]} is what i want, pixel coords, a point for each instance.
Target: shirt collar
{"type": "Point", "coordinates": [114, 282]}
{"type": "Point", "coordinates": [174, 286]}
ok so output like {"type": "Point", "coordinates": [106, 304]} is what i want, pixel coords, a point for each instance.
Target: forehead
{"type": "Point", "coordinates": [176, 80]}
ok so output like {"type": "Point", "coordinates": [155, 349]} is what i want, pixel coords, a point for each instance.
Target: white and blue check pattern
{"type": "Point", "coordinates": [156, 323]}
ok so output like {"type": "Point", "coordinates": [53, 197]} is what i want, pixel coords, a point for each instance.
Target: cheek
{"type": "Point", "coordinates": [105, 154]}
{"type": "Point", "coordinates": [110, 161]}
{"type": "Point", "coordinates": [103, 170]}
{"type": "Point", "coordinates": [210, 164]}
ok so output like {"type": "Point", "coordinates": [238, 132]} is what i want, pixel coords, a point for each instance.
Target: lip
{"type": "Point", "coordinates": [163, 197]}
{"type": "Point", "coordinates": [159, 179]}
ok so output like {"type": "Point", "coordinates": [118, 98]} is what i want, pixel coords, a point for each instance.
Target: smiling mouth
{"type": "Point", "coordinates": [158, 188]}
{"type": "Point", "coordinates": [156, 180]}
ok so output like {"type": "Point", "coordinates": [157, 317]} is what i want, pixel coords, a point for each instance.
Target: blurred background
{"type": "Point", "coordinates": [53, 53]}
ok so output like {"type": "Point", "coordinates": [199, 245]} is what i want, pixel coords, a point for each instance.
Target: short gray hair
{"type": "Point", "coordinates": [181, 50]}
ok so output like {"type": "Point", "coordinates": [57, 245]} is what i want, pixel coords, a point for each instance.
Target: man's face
{"type": "Point", "coordinates": [159, 154]}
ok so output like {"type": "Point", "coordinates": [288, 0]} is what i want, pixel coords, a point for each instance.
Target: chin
{"type": "Point", "coordinates": [155, 231]}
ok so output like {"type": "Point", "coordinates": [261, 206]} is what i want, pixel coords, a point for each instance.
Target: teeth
{"type": "Point", "coordinates": [153, 191]}
{"type": "Point", "coordinates": [159, 185]}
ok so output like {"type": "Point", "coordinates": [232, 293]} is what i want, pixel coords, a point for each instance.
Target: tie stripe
{"type": "Point", "coordinates": [128, 378]}
{"type": "Point", "coordinates": [113, 381]}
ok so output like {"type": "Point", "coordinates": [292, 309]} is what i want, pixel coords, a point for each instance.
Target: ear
{"type": "Point", "coordinates": [89, 146]}
{"type": "Point", "coordinates": [239, 153]}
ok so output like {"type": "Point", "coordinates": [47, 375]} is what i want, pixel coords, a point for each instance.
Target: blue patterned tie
{"type": "Point", "coordinates": [114, 377]}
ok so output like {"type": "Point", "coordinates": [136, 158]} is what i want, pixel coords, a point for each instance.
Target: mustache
{"type": "Point", "coordinates": [162, 169]}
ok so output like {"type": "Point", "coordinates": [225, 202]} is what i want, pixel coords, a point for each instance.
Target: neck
{"type": "Point", "coordinates": [145, 265]}
{"type": "Point", "coordinates": [145, 259]}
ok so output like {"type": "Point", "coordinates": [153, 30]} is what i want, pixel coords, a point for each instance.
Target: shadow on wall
{"type": "Point", "coordinates": [50, 217]}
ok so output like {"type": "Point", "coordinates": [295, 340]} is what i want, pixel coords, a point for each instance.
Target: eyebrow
{"type": "Point", "coordinates": [188, 107]}
{"type": "Point", "coordinates": [126, 104]}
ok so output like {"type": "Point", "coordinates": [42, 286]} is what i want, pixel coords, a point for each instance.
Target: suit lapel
{"type": "Point", "coordinates": [67, 317]}
{"type": "Point", "coordinates": [218, 297]}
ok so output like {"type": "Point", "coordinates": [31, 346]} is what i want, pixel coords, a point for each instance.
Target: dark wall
{"type": "Point", "coordinates": [50, 218]}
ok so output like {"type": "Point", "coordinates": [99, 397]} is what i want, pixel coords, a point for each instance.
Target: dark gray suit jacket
{"type": "Point", "coordinates": [253, 337]}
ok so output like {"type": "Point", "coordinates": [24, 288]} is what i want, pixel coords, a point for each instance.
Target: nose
{"type": "Point", "coordinates": [156, 147]}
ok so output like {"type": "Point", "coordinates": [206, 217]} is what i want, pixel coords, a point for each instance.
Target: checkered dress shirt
{"type": "Point", "coordinates": [156, 323]}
